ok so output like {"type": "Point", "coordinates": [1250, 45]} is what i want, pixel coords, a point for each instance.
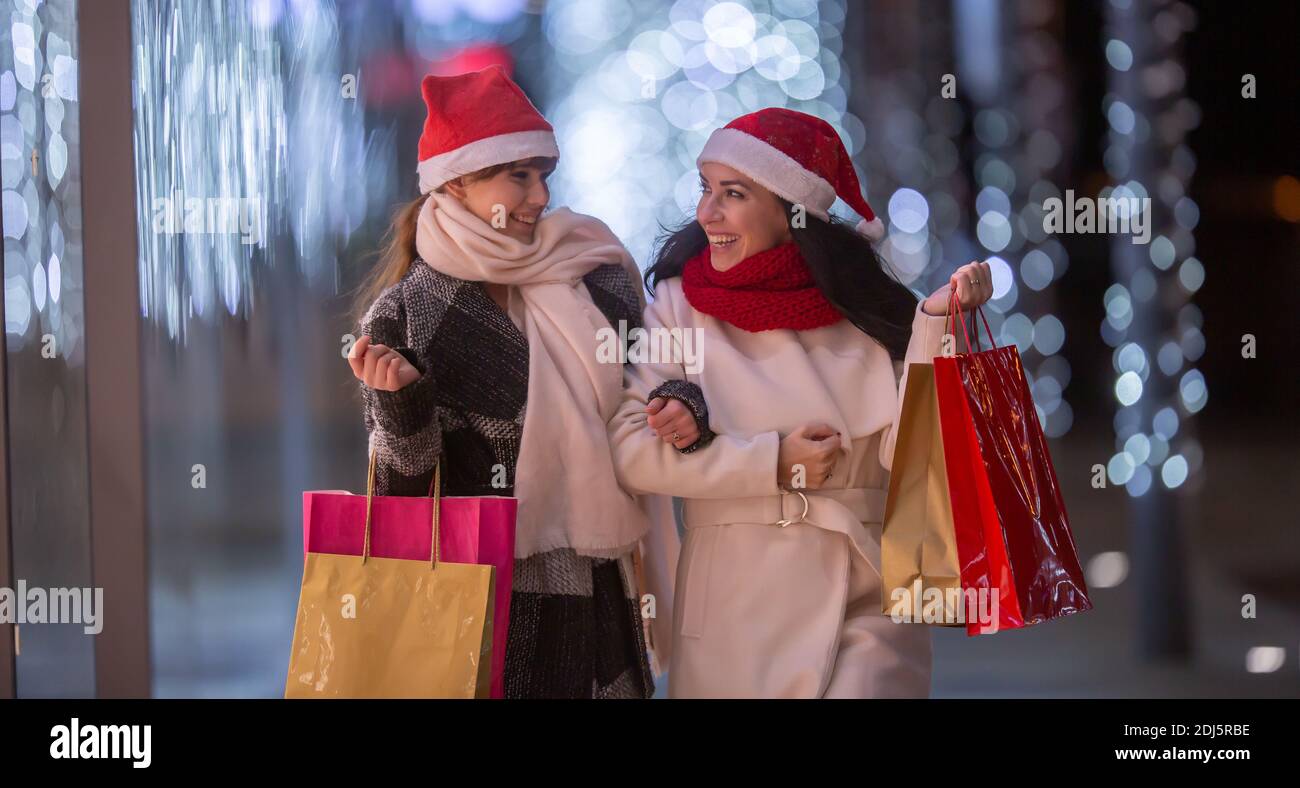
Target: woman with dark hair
{"type": "Point", "coordinates": [481, 350]}
{"type": "Point", "coordinates": [804, 339]}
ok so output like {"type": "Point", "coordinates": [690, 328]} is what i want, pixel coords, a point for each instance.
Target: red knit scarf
{"type": "Point", "coordinates": [769, 290]}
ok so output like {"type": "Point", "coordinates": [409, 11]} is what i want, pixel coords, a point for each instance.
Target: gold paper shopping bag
{"type": "Point", "coordinates": [392, 628]}
{"type": "Point", "coordinates": [918, 543]}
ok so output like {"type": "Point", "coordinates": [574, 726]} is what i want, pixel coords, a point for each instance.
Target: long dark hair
{"type": "Point", "coordinates": [844, 266]}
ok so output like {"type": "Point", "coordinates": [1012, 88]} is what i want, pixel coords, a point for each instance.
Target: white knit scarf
{"type": "Point", "coordinates": [568, 494]}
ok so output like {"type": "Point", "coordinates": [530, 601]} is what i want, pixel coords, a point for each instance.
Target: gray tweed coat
{"type": "Point", "coordinates": [575, 624]}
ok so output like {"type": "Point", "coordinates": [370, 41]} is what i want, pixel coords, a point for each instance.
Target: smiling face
{"type": "Point", "coordinates": [740, 217]}
{"type": "Point", "coordinates": [510, 198]}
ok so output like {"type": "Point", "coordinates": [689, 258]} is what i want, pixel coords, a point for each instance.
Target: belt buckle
{"type": "Point", "coordinates": [784, 522]}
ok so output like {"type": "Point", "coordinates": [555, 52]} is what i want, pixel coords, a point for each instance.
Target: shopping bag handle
{"type": "Point", "coordinates": [954, 313]}
{"type": "Point", "coordinates": [435, 492]}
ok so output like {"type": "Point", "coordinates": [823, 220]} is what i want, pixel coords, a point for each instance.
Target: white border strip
{"type": "Point", "coordinates": [474, 156]}
{"type": "Point", "coordinates": [769, 167]}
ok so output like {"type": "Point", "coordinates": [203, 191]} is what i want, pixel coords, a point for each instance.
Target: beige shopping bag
{"type": "Point", "coordinates": [918, 544]}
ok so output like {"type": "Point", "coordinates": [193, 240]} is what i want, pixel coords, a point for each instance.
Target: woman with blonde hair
{"type": "Point", "coordinates": [480, 349]}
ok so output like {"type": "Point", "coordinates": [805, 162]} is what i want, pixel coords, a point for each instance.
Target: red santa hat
{"type": "Point", "coordinates": [796, 156]}
{"type": "Point", "coordinates": [477, 120]}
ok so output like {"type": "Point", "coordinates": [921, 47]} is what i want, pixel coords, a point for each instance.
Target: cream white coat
{"type": "Point", "coordinates": [761, 610]}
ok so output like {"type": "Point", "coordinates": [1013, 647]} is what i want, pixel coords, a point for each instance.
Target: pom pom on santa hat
{"type": "Point", "coordinates": [478, 120]}
{"type": "Point", "coordinates": [797, 157]}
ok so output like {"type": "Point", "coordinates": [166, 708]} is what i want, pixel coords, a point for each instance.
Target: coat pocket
{"type": "Point", "coordinates": [701, 543]}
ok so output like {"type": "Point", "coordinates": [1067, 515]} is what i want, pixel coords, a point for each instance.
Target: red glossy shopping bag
{"type": "Point", "coordinates": [1013, 535]}
{"type": "Point", "coordinates": [472, 531]}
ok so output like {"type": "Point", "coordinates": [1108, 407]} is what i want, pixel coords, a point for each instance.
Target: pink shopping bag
{"type": "Point", "coordinates": [472, 531]}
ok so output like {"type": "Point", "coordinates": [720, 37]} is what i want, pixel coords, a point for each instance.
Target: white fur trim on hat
{"type": "Point", "coordinates": [474, 156]}
{"type": "Point", "coordinates": [770, 168]}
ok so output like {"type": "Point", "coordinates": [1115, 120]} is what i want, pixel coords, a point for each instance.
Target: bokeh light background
{"type": "Point", "coordinates": [966, 118]}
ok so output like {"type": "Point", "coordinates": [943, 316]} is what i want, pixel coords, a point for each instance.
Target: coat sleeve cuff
{"type": "Point", "coordinates": [690, 395]}
{"type": "Point", "coordinates": [927, 334]}
{"type": "Point", "coordinates": [409, 409]}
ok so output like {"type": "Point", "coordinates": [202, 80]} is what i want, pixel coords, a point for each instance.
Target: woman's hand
{"type": "Point", "coordinates": [668, 418]}
{"type": "Point", "coordinates": [814, 447]}
{"type": "Point", "coordinates": [380, 367]}
{"type": "Point", "coordinates": [974, 285]}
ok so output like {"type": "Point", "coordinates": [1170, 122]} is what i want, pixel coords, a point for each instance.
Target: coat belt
{"type": "Point", "coordinates": [864, 504]}
{"type": "Point", "coordinates": [857, 513]}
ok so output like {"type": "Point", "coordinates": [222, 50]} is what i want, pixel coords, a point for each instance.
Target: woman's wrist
{"type": "Point", "coordinates": [934, 307]}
